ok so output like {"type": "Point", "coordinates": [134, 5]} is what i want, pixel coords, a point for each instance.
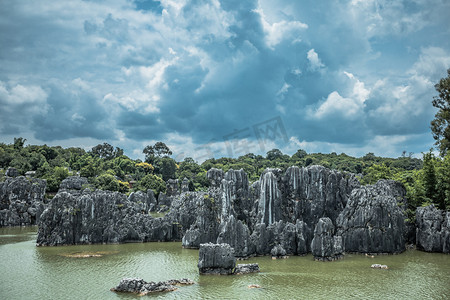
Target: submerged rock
{"type": "Point", "coordinates": [433, 229]}
{"type": "Point", "coordinates": [246, 269]}
{"type": "Point", "coordinates": [141, 287]}
{"type": "Point", "coordinates": [378, 266]}
{"type": "Point", "coordinates": [216, 259]}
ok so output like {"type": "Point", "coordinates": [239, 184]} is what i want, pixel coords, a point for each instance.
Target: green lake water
{"type": "Point", "coordinates": [30, 272]}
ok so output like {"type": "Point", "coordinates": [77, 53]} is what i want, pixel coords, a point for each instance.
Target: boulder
{"type": "Point", "coordinates": [12, 172]}
{"type": "Point", "coordinates": [432, 229]}
{"type": "Point", "coordinates": [278, 251]}
{"type": "Point", "coordinates": [141, 287]}
{"type": "Point", "coordinates": [246, 269]}
{"type": "Point", "coordinates": [372, 221]}
{"type": "Point", "coordinates": [216, 259]}
{"type": "Point", "coordinates": [325, 246]}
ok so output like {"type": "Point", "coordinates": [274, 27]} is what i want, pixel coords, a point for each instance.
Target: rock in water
{"type": "Point", "coordinates": [433, 229]}
{"type": "Point", "coordinates": [278, 252]}
{"type": "Point", "coordinates": [216, 259]}
{"type": "Point", "coordinates": [246, 269]}
{"type": "Point", "coordinates": [372, 221]}
{"type": "Point", "coordinates": [21, 201]}
{"type": "Point", "coordinates": [141, 287]}
{"type": "Point", "coordinates": [236, 234]}
{"type": "Point", "coordinates": [100, 217]}
{"type": "Point", "coordinates": [325, 246]}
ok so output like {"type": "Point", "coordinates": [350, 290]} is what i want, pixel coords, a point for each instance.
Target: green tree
{"type": "Point", "coordinates": [375, 173]}
{"type": "Point", "coordinates": [19, 142]}
{"type": "Point", "coordinates": [108, 182]}
{"type": "Point", "coordinates": [440, 126]}
{"type": "Point", "coordinates": [156, 151]}
{"type": "Point", "coordinates": [443, 182]}
{"type": "Point", "coordinates": [429, 176]}
{"type": "Point", "coordinates": [105, 151]}
{"type": "Point", "coordinates": [167, 168]}
{"type": "Point", "coordinates": [152, 182]}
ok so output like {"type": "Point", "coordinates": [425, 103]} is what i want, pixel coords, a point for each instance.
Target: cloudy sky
{"type": "Point", "coordinates": [214, 78]}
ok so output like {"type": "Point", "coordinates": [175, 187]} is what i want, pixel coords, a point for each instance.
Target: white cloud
{"type": "Point", "coordinates": [20, 94]}
{"type": "Point", "coordinates": [350, 107]}
{"type": "Point", "coordinates": [280, 31]}
{"type": "Point", "coordinates": [410, 97]}
{"type": "Point", "coordinates": [314, 61]}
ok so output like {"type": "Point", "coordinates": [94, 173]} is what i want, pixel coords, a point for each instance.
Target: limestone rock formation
{"type": "Point", "coordinates": [372, 221]}
{"type": "Point", "coordinates": [433, 229]}
{"type": "Point", "coordinates": [21, 201]}
{"type": "Point", "coordinates": [205, 228]}
{"type": "Point", "coordinates": [100, 217]}
{"type": "Point", "coordinates": [236, 234]}
{"type": "Point", "coordinates": [12, 172]}
{"type": "Point", "coordinates": [278, 251]}
{"type": "Point", "coordinates": [246, 269]}
{"type": "Point", "coordinates": [141, 287]}
{"type": "Point", "coordinates": [73, 183]}
{"type": "Point", "coordinates": [325, 246]}
{"type": "Point", "coordinates": [215, 177]}
{"type": "Point", "coordinates": [216, 259]}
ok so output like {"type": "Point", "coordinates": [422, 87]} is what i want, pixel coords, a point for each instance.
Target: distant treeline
{"type": "Point", "coordinates": [427, 180]}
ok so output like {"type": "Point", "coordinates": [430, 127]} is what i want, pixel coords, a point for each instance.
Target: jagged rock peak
{"type": "Point", "coordinates": [73, 183]}
{"type": "Point", "coordinates": [215, 177]}
{"type": "Point", "coordinates": [173, 187]}
{"type": "Point", "coordinates": [325, 245]}
{"type": "Point", "coordinates": [433, 229]}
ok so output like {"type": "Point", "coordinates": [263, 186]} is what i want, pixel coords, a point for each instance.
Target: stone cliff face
{"type": "Point", "coordinates": [433, 229]}
{"type": "Point", "coordinates": [101, 217]}
{"type": "Point", "coordinates": [300, 211]}
{"type": "Point", "coordinates": [372, 221]}
{"type": "Point", "coordinates": [325, 244]}
{"type": "Point", "coordinates": [21, 201]}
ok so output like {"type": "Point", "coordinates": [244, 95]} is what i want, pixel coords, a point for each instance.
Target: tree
{"type": "Point", "coordinates": [105, 151]}
{"type": "Point", "coordinates": [107, 181]}
{"type": "Point", "coordinates": [167, 168]}
{"type": "Point", "coordinates": [429, 176]}
{"type": "Point", "coordinates": [152, 182]}
{"type": "Point", "coordinates": [156, 151]}
{"type": "Point", "coordinates": [19, 142]}
{"type": "Point", "coordinates": [274, 154]}
{"type": "Point", "coordinates": [440, 126]}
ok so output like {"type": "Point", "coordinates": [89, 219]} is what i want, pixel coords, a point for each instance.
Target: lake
{"type": "Point", "coordinates": [30, 272]}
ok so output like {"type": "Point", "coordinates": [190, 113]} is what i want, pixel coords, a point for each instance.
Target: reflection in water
{"type": "Point", "coordinates": [30, 272]}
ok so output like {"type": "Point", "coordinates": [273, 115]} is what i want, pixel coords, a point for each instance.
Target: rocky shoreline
{"type": "Point", "coordinates": [303, 210]}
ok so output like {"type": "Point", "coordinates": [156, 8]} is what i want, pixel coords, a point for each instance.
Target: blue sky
{"type": "Point", "coordinates": [222, 78]}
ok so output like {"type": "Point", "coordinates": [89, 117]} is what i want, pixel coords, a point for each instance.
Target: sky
{"type": "Point", "coordinates": [223, 78]}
